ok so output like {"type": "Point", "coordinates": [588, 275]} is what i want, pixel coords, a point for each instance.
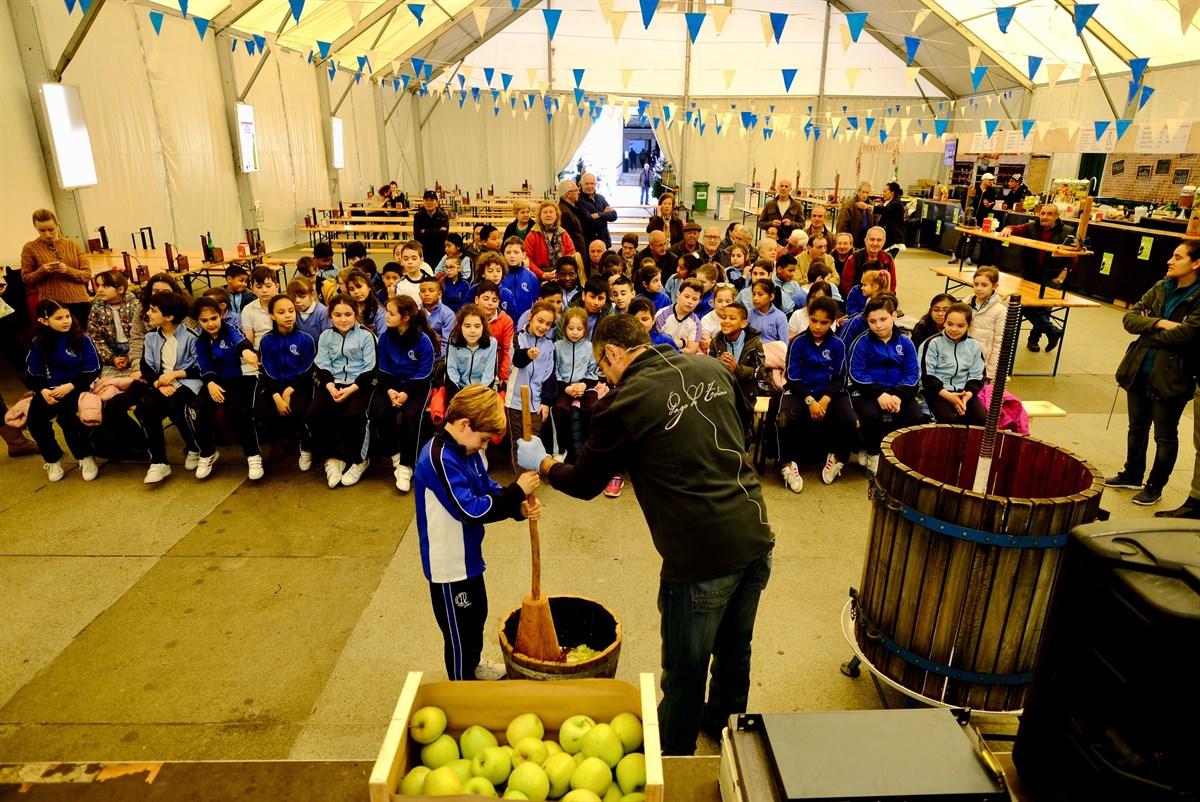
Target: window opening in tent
{"type": "Point", "coordinates": [617, 153]}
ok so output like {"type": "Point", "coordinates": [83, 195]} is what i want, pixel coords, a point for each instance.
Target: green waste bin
{"type": "Point", "coordinates": [700, 197]}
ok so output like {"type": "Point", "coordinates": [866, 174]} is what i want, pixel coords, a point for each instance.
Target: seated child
{"type": "Point", "coordinates": [566, 275]}
{"type": "Point", "coordinates": [455, 497]}
{"type": "Point", "coordinates": [710, 324]}
{"type": "Point", "coordinates": [454, 247]}
{"type": "Point", "coordinates": [533, 367]}
{"type": "Point", "coordinates": [390, 275]}
{"type": "Point", "coordinates": [815, 405]}
{"type": "Point", "coordinates": [437, 315]}
{"type": "Point", "coordinates": [643, 310]}
{"type": "Point", "coordinates": [219, 295]}
{"type": "Point", "coordinates": [740, 351]}
{"type": "Point", "coordinates": [798, 322]}
{"type": "Point", "coordinates": [762, 270]}
{"type": "Point", "coordinates": [256, 320]}
{"type": "Point", "coordinates": [490, 267]}
{"type": "Point", "coordinates": [345, 370]}
{"type": "Point", "coordinates": [594, 301]}
{"type": "Point", "coordinates": [407, 352]}
{"type": "Point", "coordinates": [110, 324]}
{"type": "Point", "coordinates": [871, 281]}
{"type": "Point", "coordinates": [236, 279]}
{"type": "Point", "coordinates": [471, 357]}
{"type": "Point", "coordinates": [679, 321]}
{"type": "Point", "coordinates": [952, 371]}
{"type": "Point", "coordinates": [785, 281]}
{"type": "Point", "coordinates": [931, 323]}
{"type": "Point", "coordinates": [411, 263]}
{"type": "Point", "coordinates": [519, 280]}
{"type": "Point", "coordinates": [648, 283]}
{"type": "Point", "coordinates": [312, 317]}
{"type": "Point", "coordinates": [771, 324]}
{"type": "Point", "coordinates": [709, 274]}
{"type": "Point", "coordinates": [371, 315]}
{"type": "Point", "coordinates": [285, 390]}
{"type": "Point", "coordinates": [577, 374]}
{"type": "Point", "coordinates": [687, 266]}
{"type": "Point", "coordinates": [500, 326]}
{"type": "Point", "coordinates": [620, 290]}
{"type": "Point", "coordinates": [456, 290]}
{"type": "Point", "coordinates": [883, 377]}
{"type": "Point", "coordinates": [851, 327]}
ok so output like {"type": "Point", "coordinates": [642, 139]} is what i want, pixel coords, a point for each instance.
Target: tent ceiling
{"type": "Point", "coordinates": [387, 31]}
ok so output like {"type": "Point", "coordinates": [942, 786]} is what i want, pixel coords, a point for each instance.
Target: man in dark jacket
{"type": "Point", "coordinates": [594, 212]}
{"type": "Point", "coordinates": [673, 421]}
{"type": "Point", "coordinates": [430, 226]}
{"type": "Point", "coordinates": [569, 214]}
{"type": "Point", "coordinates": [1039, 267]}
{"type": "Point", "coordinates": [781, 211]}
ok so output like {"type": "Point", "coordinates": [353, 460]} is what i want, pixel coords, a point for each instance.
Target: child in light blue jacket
{"type": "Point", "coordinates": [533, 367]}
{"type": "Point", "coordinates": [345, 368]}
{"type": "Point", "coordinates": [952, 369]}
{"type": "Point", "coordinates": [471, 357]}
{"type": "Point", "coordinates": [576, 375]}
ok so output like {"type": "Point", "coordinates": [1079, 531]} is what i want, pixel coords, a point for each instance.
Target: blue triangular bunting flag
{"type": "Point", "coordinates": [404, 79]}
{"type": "Point", "coordinates": [856, 22]}
{"type": "Point", "coordinates": [183, 4]}
{"type": "Point", "coordinates": [778, 20]}
{"type": "Point", "coordinates": [395, 84]}
{"type": "Point", "coordinates": [748, 119]}
{"type": "Point", "coordinates": [362, 63]}
{"type": "Point", "coordinates": [578, 73]}
{"type": "Point", "coordinates": [940, 126]}
{"type": "Point", "coordinates": [1122, 127]}
{"type": "Point", "coordinates": [1026, 127]}
{"type": "Point", "coordinates": [1083, 15]}
{"type": "Point", "coordinates": [549, 117]}
{"type": "Point", "coordinates": [475, 93]}
{"type": "Point", "coordinates": [260, 43]}
{"type": "Point", "coordinates": [495, 111]}
{"type": "Point", "coordinates": [551, 15]}
{"type": "Point", "coordinates": [516, 4]}
{"type": "Point", "coordinates": [648, 8]}
{"type": "Point", "coordinates": [1138, 65]}
{"type": "Point", "coordinates": [911, 45]}
{"type": "Point", "coordinates": [1133, 90]}
{"type": "Point", "coordinates": [667, 113]}
{"type": "Point", "coordinates": [687, 116]}
{"type": "Point", "coordinates": [418, 64]}
{"type": "Point", "coordinates": [694, 20]}
{"type": "Point", "coordinates": [1004, 17]}
{"type": "Point", "coordinates": [1102, 128]}
{"type": "Point", "coordinates": [85, 5]}
{"type": "Point", "coordinates": [977, 76]}
{"type": "Point", "coordinates": [495, 95]}
{"type": "Point", "coordinates": [1035, 64]}
{"type": "Point", "coordinates": [989, 127]}
{"type": "Point", "coordinates": [297, 7]}
{"type": "Point", "coordinates": [870, 124]}
{"type": "Point", "coordinates": [924, 136]}
{"type": "Point", "coordinates": [428, 73]}
{"type": "Point", "coordinates": [462, 98]}
{"type": "Point", "coordinates": [817, 132]}
{"type": "Point", "coordinates": [883, 135]}
{"type": "Point", "coordinates": [767, 132]}
{"type": "Point", "coordinates": [70, 6]}
{"type": "Point", "coordinates": [578, 96]}
{"type": "Point", "coordinates": [201, 26]}
{"type": "Point", "coordinates": [357, 77]}
{"type": "Point", "coordinates": [488, 74]}
{"type": "Point", "coordinates": [249, 43]}
{"type": "Point", "coordinates": [332, 69]}
{"type": "Point", "coordinates": [462, 80]}
{"type": "Point", "coordinates": [505, 80]}
{"type": "Point", "coordinates": [642, 106]}
{"type": "Point", "coordinates": [789, 75]}
{"type": "Point", "coordinates": [853, 122]}
{"type": "Point", "coordinates": [233, 45]}
{"type": "Point", "coordinates": [418, 11]}
{"type": "Point", "coordinates": [1147, 91]}
{"type": "Point", "coordinates": [156, 19]}
{"type": "Point", "coordinates": [654, 122]}
{"type": "Point", "coordinates": [323, 49]}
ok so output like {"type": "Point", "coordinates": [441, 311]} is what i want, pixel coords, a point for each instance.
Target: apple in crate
{"type": "Point", "coordinates": [479, 787]}
{"type": "Point", "coordinates": [427, 725]}
{"type": "Point", "coordinates": [613, 794]}
{"type": "Point", "coordinates": [511, 794]}
{"type": "Point", "coordinates": [571, 733]}
{"type": "Point", "coordinates": [442, 782]}
{"type": "Point", "coordinates": [581, 795]}
{"type": "Point", "coordinates": [601, 741]}
{"type": "Point", "coordinates": [475, 739]}
{"type": "Point", "coordinates": [529, 750]}
{"type": "Point", "coordinates": [414, 782]}
{"type": "Point", "coordinates": [440, 752]}
{"type": "Point", "coordinates": [593, 774]}
{"type": "Point", "coordinates": [462, 767]}
{"type": "Point", "coordinates": [559, 768]}
{"type": "Point", "coordinates": [628, 728]}
{"type": "Point", "coordinates": [631, 773]}
{"type": "Point", "coordinates": [531, 780]}
{"type": "Point", "coordinates": [638, 797]}
{"type": "Point", "coordinates": [526, 725]}
{"type": "Point", "coordinates": [493, 764]}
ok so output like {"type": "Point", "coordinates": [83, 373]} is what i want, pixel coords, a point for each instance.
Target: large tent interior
{"type": "Point", "coordinates": [253, 637]}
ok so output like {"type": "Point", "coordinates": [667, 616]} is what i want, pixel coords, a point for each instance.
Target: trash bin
{"type": "Point", "coordinates": [700, 196]}
{"type": "Point", "coordinates": [724, 203]}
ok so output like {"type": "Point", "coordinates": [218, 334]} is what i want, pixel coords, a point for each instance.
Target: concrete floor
{"type": "Point", "coordinates": [216, 619]}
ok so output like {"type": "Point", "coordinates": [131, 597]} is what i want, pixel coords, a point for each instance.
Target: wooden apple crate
{"type": "Point", "coordinates": [495, 704]}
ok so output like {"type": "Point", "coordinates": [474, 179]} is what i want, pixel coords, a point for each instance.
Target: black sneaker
{"type": "Point", "coordinates": [1189, 509]}
{"type": "Point", "coordinates": [1032, 346]}
{"type": "Point", "coordinates": [1052, 341]}
{"type": "Point", "coordinates": [1123, 481]}
{"type": "Point", "coordinates": [1149, 495]}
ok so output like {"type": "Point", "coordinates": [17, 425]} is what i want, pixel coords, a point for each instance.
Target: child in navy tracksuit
{"type": "Point", "coordinates": [407, 352]}
{"type": "Point", "coordinates": [455, 497]}
{"type": "Point", "coordinates": [533, 366]}
{"type": "Point", "coordinates": [576, 375]}
{"type": "Point", "coordinates": [221, 351]}
{"type": "Point", "coordinates": [884, 378]}
{"type": "Point", "coordinates": [815, 406]}
{"type": "Point", "coordinates": [311, 315]}
{"type": "Point", "coordinates": [456, 290]}
{"type": "Point", "coordinates": [345, 368]}
{"type": "Point", "coordinates": [471, 357]}
{"type": "Point", "coordinates": [62, 363]}
{"type": "Point", "coordinates": [438, 316]}
{"type": "Point", "coordinates": [285, 387]}
{"type": "Point", "coordinates": [518, 279]}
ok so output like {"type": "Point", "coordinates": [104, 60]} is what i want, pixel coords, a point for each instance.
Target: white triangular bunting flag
{"type": "Point", "coordinates": [847, 40]}
{"type": "Point", "coordinates": [617, 20]}
{"type": "Point", "coordinates": [782, 121]}
{"type": "Point", "coordinates": [626, 75]}
{"type": "Point", "coordinates": [526, 113]}
{"type": "Point", "coordinates": [905, 122]}
{"type": "Point", "coordinates": [729, 74]}
{"type": "Point", "coordinates": [531, 73]}
{"type": "Point", "coordinates": [354, 9]}
{"type": "Point", "coordinates": [991, 100]}
{"type": "Point", "coordinates": [481, 17]}
{"type": "Point", "coordinates": [720, 14]}
{"type": "Point", "coordinates": [1187, 13]}
{"type": "Point", "coordinates": [606, 8]}
{"type": "Point", "coordinates": [911, 74]}
{"type": "Point", "coordinates": [834, 122]}
{"type": "Point", "coordinates": [973, 57]}
{"type": "Point", "coordinates": [1085, 71]}
{"type": "Point", "coordinates": [920, 17]}
{"type": "Point", "coordinates": [768, 31]}
{"type": "Point", "coordinates": [1173, 126]}
{"type": "Point", "coordinates": [1072, 129]}
{"type": "Point", "coordinates": [852, 76]}
{"type": "Point", "coordinates": [1054, 72]}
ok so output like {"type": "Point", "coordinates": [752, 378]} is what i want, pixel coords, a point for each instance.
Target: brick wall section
{"type": "Point", "coordinates": [1154, 188]}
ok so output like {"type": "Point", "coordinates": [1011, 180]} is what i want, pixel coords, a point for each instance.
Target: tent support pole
{"type": "Point", "coordinates": [323, 106]}
{"type": "Point", "coordinates": [418, 145]}
{"type": "Point", "coordinates": [1107, 96]}
{"type": "Point", "coordinates": [242, 95]}
{"type": "Point", "coordinates": [77, 37]}
{"type": "Point", "coordinates": [812, 161]}
{"type": "Point", "coordinates": [551, 173]}
{"type": "Point", "coordinates": [342, 99]}
{"type": "Point", "coordinates": [231, 97]}
{"type": "Point", "coordinates": [687, 99]}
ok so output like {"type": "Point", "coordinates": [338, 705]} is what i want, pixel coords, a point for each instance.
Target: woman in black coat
{"type": "Point", "coordinates": [891, 215]}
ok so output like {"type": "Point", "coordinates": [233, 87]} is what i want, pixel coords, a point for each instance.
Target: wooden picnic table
{"type": "Point", "coordinates": [155, 261]}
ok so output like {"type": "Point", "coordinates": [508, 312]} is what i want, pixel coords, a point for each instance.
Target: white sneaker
{"type": "Point", "coordinates": [873, 464]}
{"type": "Point", "coordinates": [861, 458]}
{"type": "Point", "coordinates": [54, 470]}
{"type": "Point", "coordinates": [490, 670]}
{"type": "Point", "coordinates": [403, 475]}
{"type": "Point", "coordinates": [254, 468]}
{"type": "Point", "coordinates": [333, 472]}
{"type": "Point", "coordinates": [305, 462]}
{"type": "Point", "coordinates": [204, 465]}
{"type": "Point", "coordinates": [158, 471]}
{"type": "Point", "coordinates": [192, 460]}
{"type": "Point", "coordinates": [792, 478]}
{"type": "Point", "coordinates": [832, 469]}
{"type": "Point", "coordinates": [354, 473]}
{"type": "Point", "coordinates": [88, 468]}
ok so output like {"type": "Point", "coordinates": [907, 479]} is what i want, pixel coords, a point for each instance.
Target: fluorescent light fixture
{"type": "Point", "coordinates": [339, 150]}
{"type": "Point", "coordinates": [247, 139]}
{"type": "Point", "coordinates": [69, 136]}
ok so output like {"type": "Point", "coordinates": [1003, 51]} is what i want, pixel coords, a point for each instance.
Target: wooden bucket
{"type": "Point", "coordinates": [955, 583]}
{"type": "Point", "coordinates": [577, 621]}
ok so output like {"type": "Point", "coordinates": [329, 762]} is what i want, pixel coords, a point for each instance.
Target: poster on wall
{"type": "Point", "coordinates": [1157, 138]}
{"type": "Point", "coordinates": [1143, 172]}
{"type": "Point", "coordinates": [1106, 261]}
{"type": "Point", "coordinates": [1181, 177]}
{"type": "Point", "coordinates": [1162, 167]}
{"type": "Point", "coordinates": [978, 143]}
{"type": "Point", "coordinates": [1118, 167]}
{"type": "Point", "coordinates": [338, 156]}
{"type": "Point", "coordinates": [1087, 142]}
{"type": "Point", "coordinates": [247, 140]}
{"type": "Point", "coordinates": [1144, 248]}
{"type": "Point", "coordinates": [1015, 142]}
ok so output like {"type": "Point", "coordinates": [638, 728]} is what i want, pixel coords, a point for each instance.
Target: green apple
{"type": "Point", "coordinates": [414, 782]}
{"type": "Point", "coordinates": [493, 764]}
{"type": "Point", "coordinates": [442, 782]}
{"type": "Point", "coordinates": [552, 747]}
{"type": "Point", "coordinates": [602, 742]}
{"type": "Point", "coordinates": [628, 728]}
{"type": "Point", "coordinates": [526, 725]}
{"type": "Point", "coordinates": [462, 767]}
{"type": "Point", "coordinates": [581, 795]}
{"type": "Point", "coordinates": [474, 739]}
{"type": "Point", "coordinates": [631, 773]}
{"type": "Point", "coordinates": [440, 752]}
{"type": "Point", "coordinates": [579, 757]}
{"type": "Point", "coordinates": [427, 725]}
{"type": "Point", "coordinates": [479, 787]}
{"type": "Point", "coordinates": [593, 774]}
{"type": "Point", "coordinates": [530, 750]}
{"type": "Point", "coordinates": [559, 768]}
{"type": "Point", "coordinates": [530, 779]}
{"type": "Point", "coordinates": [613, 794]}
{"type": "Point", "coordinates": [511, 794]}
{"type": "Point", "coordinates": [638, 797]}
{"type": "Point", "coordinates": [572, 730]}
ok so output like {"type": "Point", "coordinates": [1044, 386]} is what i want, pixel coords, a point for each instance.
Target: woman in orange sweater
{"type": "Point", "coordinates": [55, 268]}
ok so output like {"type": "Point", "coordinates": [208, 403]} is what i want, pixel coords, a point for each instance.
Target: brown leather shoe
{"type": "Point", "coordinates": [18, 444]}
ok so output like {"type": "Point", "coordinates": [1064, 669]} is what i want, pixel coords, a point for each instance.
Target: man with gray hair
{"type": "Point", "coordinates": [595, 211]}
{"type": "Point", "coordinates": [569, 214]}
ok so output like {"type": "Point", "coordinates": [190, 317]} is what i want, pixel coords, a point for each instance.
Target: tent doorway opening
{"type": "Point", "coordinates": [617, 152]}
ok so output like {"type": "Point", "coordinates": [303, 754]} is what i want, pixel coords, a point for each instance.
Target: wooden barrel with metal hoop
{"type": "Point", "coordinates": [956, 583]}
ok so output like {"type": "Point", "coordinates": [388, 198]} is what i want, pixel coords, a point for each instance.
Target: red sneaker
{"type": "Point", "coordinates": [614, 487]}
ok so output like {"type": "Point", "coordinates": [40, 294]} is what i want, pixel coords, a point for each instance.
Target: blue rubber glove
{"type": "Point", "coordinates": [530, 453]}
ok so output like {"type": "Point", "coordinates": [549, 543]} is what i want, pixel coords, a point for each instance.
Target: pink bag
{"type": "Point", "coordinates": [89, 408]}
{"type": "Point", "coordinates": [18, 413]}
{"type": "Point", "coordinates": [109, 388]}
{"type": "Point", "coordinates": [1013, 416]}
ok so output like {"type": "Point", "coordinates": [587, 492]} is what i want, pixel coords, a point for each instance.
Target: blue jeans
{"type": "Point", "coordinates": [645, 194]}
{"type": "Point", "coordinates": [712, 619]}
{"type": "Point", "coordinates": [1042, 324]}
